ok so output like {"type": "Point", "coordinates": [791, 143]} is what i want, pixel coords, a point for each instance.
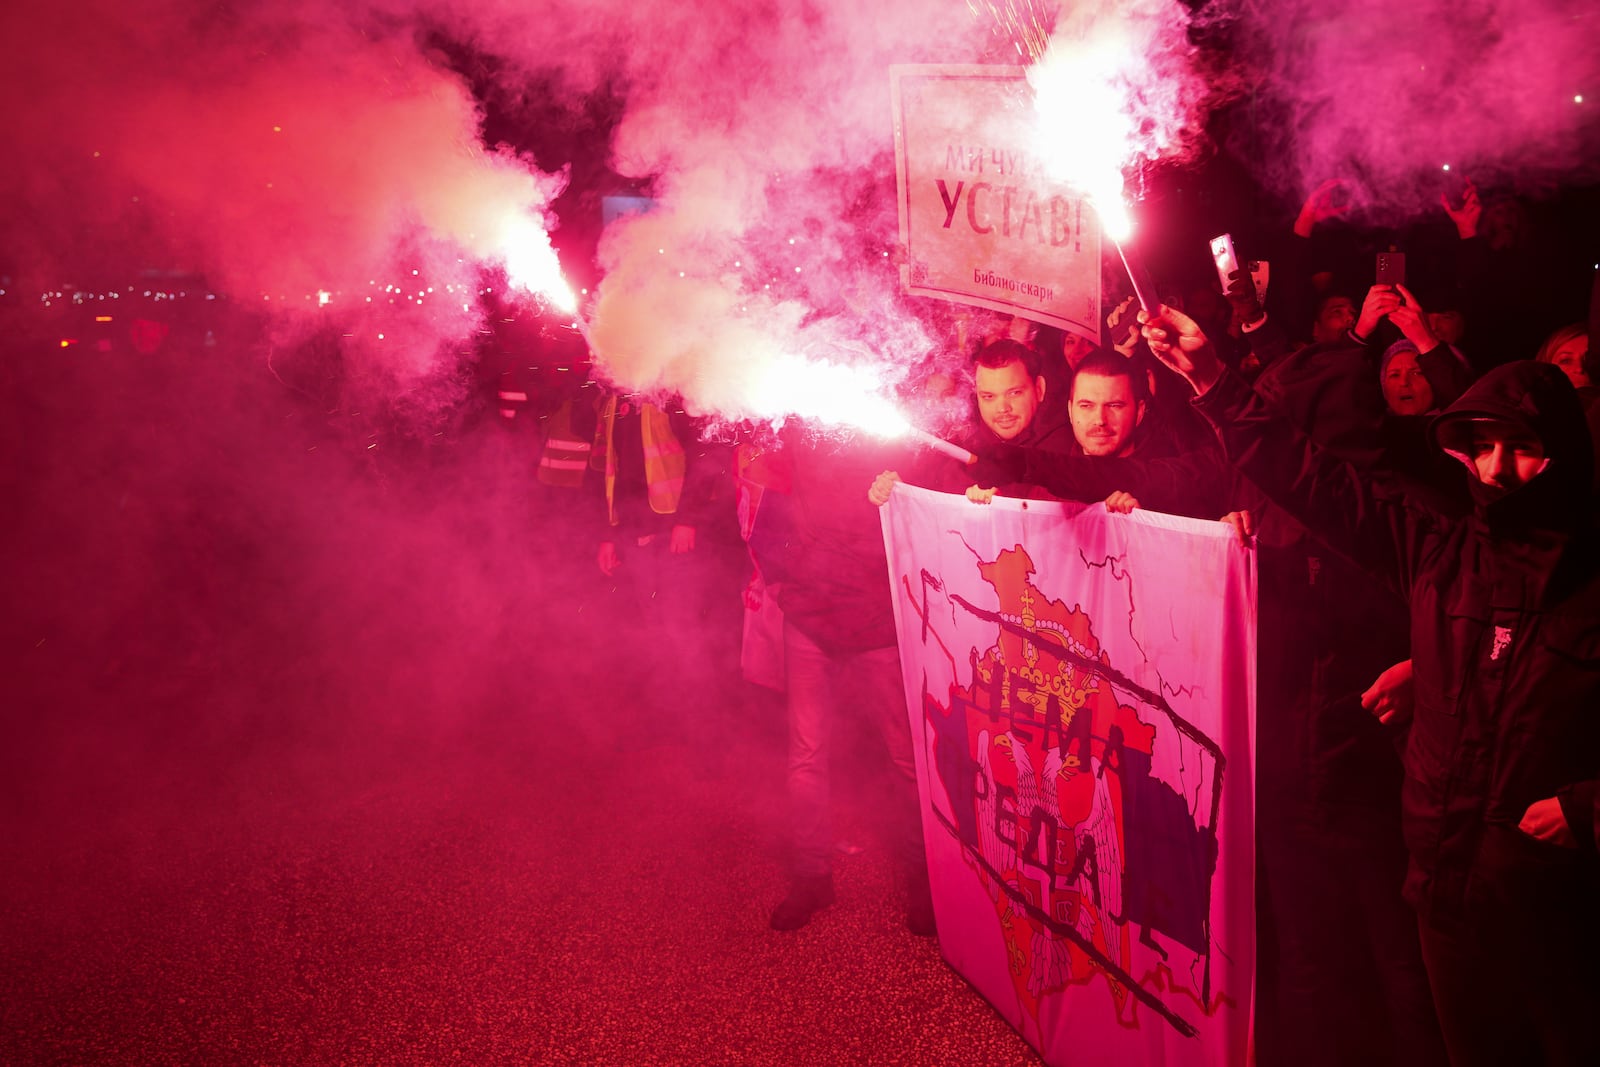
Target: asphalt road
{"type": "Point", "coordinates": [317, 757]}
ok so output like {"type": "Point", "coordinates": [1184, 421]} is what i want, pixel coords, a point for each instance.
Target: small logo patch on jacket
{"type": "Point", "coordinates": [1502, 641]}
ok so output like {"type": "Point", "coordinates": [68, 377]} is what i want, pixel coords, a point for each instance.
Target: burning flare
{"type": "Point", "coordinates": [1115, 88]}
{"type": "Point", "coordinates": [531, 264]}
{"type": "Point", "coordinates": [838, 394]}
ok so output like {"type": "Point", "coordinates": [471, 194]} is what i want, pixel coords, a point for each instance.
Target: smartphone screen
{"type": "Point", "coordinates": [1222, 255]}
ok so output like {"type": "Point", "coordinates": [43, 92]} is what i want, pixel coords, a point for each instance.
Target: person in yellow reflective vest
{"type": "Point", "coordinates": [666, 548]}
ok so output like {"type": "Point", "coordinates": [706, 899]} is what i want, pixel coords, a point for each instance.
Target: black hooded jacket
{"type": "Point", "coordinates": [1504, 609]}
{"type": "Point", "coordinates": [1320, 641]}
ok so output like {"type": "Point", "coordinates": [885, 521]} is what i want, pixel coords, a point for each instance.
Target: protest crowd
{"type": "Point", "coordinates": [1411, 457]}
{"type": "Point", "coordinates": [801, 533]}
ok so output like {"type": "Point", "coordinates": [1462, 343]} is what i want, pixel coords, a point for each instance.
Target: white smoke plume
{"type": "Point", "coordinates": [292, 150]}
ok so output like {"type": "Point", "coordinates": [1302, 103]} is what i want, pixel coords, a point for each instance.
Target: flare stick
{"type": "Point", "coordinates": [1143, 287]}
{"type": "Point", "coordinates": [955, 452]}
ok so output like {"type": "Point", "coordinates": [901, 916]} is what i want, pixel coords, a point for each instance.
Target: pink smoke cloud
{"type": "Point", "coordinates": [280, 156]}
{"type": "Point", "coordinates": [1389, 93]}
{"type": "Point", "coordinates": [288, 150]}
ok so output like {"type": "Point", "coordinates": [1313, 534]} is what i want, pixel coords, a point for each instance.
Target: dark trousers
{"type": "Point", "coordinates": [1341, 976]}
{"type": "Point", "coordinates": [822, 688]}
{"type": "Point", "coordinates": [1516, 976]}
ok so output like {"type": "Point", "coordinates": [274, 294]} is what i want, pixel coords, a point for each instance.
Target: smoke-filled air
{"type": "Point", "coordinates": [414, 415]}
{"type": "Point", "coordinates": [1395, 95]}
{"type": "Point", "coordinates": [286, 151]}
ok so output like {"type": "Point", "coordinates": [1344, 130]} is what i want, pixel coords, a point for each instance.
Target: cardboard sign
{"type": "Point", "coordinates": [980, 221]}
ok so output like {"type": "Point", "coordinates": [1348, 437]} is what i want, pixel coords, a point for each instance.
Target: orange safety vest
{"type": "Point", "coordinates": [664, 459]}
{"type": "Point", "coordinates": [565, 456]}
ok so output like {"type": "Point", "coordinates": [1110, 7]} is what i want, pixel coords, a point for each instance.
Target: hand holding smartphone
{"type": "Point", "coordinates": [1391, 268]}
{"type": "Point", "coordinates": [1227, 262]}
{"type": "Point", "coordinates": [1223, 256]}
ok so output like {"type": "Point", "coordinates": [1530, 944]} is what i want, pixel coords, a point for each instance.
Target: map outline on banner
{"type": "Point", "coordinates": [1158, 701]}
{"type": "Point", "coordinates": [990, 142]}
{"type": "Point", "coordinates": [1039, 805]}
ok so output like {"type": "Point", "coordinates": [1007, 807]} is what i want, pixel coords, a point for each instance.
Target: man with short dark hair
{"type": "Point", "coordinates": [1335, 317]}
{"type": "Point", "coordinates": [1009, 391]}
{"type": "Point", "coordinates": [1107, 405]}
{"type": "Point", "coordinates": [1008, 388]}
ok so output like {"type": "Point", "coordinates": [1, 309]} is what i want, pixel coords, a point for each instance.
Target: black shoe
{"type": "Point", "coordinates": [807, 896]}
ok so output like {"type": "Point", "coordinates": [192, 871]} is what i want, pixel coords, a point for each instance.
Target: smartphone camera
{"type": "Point", "coordinates": [1391, 268]}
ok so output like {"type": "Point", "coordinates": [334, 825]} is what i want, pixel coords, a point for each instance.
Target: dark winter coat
{"type": "Point", "coordinates": [1504, 606]}
{"type": "Point", "coordinates": [1318, 749]}
{"type": "Point", "coordinates": [1049, 433]}
{"type": "Point", "coordinates": [833, 571]}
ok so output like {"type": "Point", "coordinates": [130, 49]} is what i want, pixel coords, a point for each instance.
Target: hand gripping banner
{"type": "Point", "coordinates": [1081, 691]}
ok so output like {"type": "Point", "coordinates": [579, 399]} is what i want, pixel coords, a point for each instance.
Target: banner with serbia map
{"type": "Point", "coordinates": [1081, 692]}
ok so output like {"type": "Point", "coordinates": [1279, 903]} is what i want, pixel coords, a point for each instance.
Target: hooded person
{"type": "Point", "coordinates": [1542, 419]}
{"type": "Point", "coordinates": [1502, 764]}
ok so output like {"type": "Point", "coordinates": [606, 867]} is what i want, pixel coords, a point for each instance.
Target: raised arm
{"type": "Point", "coordinates": [1330, 496]}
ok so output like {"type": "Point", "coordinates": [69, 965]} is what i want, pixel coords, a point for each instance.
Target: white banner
{"type": "Point", "coordinates": [980, 222]}
{"type": "Point", "coordinates": [1081, 691]}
